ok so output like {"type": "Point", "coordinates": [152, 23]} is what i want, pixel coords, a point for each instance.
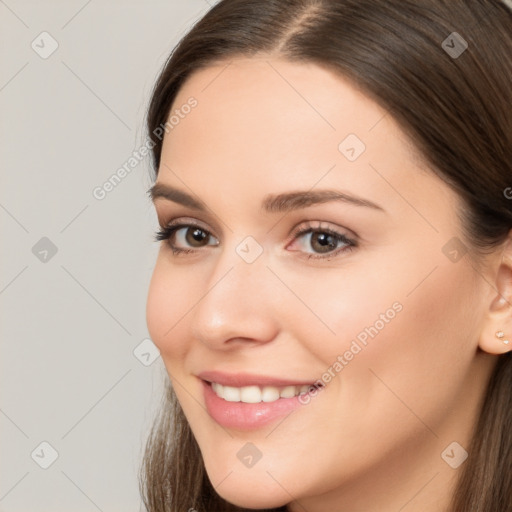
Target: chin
{"type": "Point", "coordinates": [247, 490]}
{"type": "Point", "coordinates": [253, 499]}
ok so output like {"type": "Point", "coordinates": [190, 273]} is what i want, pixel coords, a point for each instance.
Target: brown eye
{"type": "Point", "coordinates": [185, 237]}
{"type": "Point", "coordinates": [196, 237]}
{"type": "Point", "coordinates": [322, 242]}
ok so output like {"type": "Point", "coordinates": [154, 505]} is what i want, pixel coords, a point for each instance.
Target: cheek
{"type": "Point", "coordinates": [397, 320]}
{"type": "Point", "coordinates": [340, 306]}
{"type": "Point", "coordinates": [423, 355]}
{"type": "Point", "coordinates": [158, 306]}
{"type": "Point", "coordinates": [170, 297]}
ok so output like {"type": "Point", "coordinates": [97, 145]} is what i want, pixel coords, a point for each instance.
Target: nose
{"type": "Point", "coordinates": [238, 305]}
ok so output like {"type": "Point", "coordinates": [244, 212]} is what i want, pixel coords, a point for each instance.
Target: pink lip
{"type": "Point", "coordinates": [242, 416]}
{"type": "Point", "coordinates": [239, 380]}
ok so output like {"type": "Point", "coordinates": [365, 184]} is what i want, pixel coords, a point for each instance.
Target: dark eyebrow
{"type": "Point", "coordinates": [296, 200]}
{"type": "Point", "coordinates": [175, 195]}
{"type": "Point", "coordinates": [272, 203]}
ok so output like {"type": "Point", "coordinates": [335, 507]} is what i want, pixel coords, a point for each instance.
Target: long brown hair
{"type": "Point", "coordinates": [456, 107]}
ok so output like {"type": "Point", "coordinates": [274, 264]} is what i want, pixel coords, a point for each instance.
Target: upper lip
{"type": "Point", "coordinates": [239, 380]}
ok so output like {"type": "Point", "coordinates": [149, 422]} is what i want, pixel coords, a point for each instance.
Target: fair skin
{"type": "Point", "coordinates": [372, 439]}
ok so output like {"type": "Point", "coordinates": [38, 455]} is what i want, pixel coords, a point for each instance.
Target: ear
{"type": "Point", "coordinates": [496, 336]}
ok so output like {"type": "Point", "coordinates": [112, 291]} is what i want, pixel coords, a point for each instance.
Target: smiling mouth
{"type": "Point", "coordinates": [249, 401]}
{"type": "Point", "coordinates": [257, 394]}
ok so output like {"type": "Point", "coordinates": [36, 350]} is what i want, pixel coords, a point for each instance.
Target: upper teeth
{"type": "Point", "coordinates": [256, 394]}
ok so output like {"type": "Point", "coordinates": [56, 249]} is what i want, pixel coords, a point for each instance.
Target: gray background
{"type": "Point", "coordinates": [70, 321]}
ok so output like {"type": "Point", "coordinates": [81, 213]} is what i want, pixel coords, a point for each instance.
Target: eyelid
{"type": "Point", "coordinates": [319, 225]}
{"type": "Point", "coordinates": [188, 221]}
{"type": "Point", "coordinates": [169, 230]}
{"type": "Point", "coordinates": [348, 237]}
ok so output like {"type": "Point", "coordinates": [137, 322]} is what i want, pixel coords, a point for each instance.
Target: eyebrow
{"type": "Point", "coordinates": [302, 199]}
{"type": "Point", "coordinates": [160, 190]}
{"type": "Point", "coordinates": [272, 203]}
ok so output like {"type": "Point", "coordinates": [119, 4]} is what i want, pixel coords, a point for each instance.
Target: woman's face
{"type": "Point", "coordinates": [320, 249]}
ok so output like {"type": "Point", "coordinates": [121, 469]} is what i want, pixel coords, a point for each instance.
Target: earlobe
{"type": "Point", "coordinates": [497, 344]}
{"type": "Point", "coordinates": [501, 336]}
{"type": "Point", "coordinates": [496, 336]}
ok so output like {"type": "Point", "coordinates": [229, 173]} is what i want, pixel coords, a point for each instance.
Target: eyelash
{"type": "Point", "coordinates": [307, 227]}
{"type": "Point", "coordinates": [166, 232]}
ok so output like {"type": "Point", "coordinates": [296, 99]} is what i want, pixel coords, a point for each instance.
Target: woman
{"type": "Point", "coordinates": [332, 298]}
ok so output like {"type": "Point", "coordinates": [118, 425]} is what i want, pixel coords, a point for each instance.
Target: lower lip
{"type": "Point", "coordinates": [242, 416]}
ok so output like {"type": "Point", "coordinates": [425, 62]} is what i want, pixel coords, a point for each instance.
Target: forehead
{"type": "Point", "coordinates": [265, 124]}
{"type": "Point", "coordinates": [266, 97]}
